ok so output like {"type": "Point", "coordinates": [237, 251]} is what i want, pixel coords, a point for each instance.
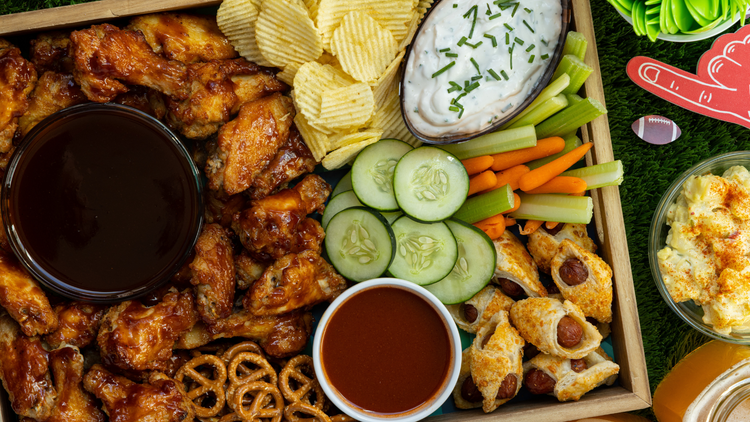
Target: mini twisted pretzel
{"type": "Point", "coordinates": [307, 384]}
{"type": "Point", "coordinates": [316, 415]}
{"type": "Point", "coordinates": [245, 346]}
{"type": "Point", "coordinates": [205, 384]}
{"type": "Point", "coordinates": [342, 418]}
{"type": "Point", "coordinates": [267, 402]}
{"type": "Point", "coordinates": [263, 369]}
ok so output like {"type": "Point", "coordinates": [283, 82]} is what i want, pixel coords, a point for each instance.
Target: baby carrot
{"type": "Point", "coordinates": [510, 177]}
{"type": "Point", "coordinates": [545, 173]}
{"type": "Point", "coordinates": [477, 165]}
{"type": "Point", "coordinates": [482, 181]}
{"type": "Point", "coordinates": [516, 203]}
{"type": "Point", "coordinates": [561, 184]}
{"type": "Point", "coordinates": [544, 148]}
{"type": "Point", "coordinates": [549, 225]}
{"type": "Point", "coordinates": [493, 226]}
{"type": "Point", "coordinates": [509, 221]}
{"type": "Point", "coordinates": [531, 226]}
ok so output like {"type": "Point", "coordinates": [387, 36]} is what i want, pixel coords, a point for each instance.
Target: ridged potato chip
{"type": "Point", "coordinates": [385, 82]}
{"type": "Point", "coordinates": [285, 33]}
{"type": "Point", "coordinates": [345, 154]}
{"type": "Point", "coordinates": [363, 47]}
{"type": "Point", "coordinates": [390, 14]}
{"type": "Point", "coordinates": [346, 107]}
{"type": "Point", "coordinates": [411, 30]}
{"type": "Point", "coordinates": [236, 20]}
{"type": "Point", "coordinates": [315, 140]}
{"type": "Point", "coordinates": [311, 80]}
{"type": "Point", "coordinates": [343, 139]}
{"type": "Point", "coordinates": [312, 8]}
{"type": "Point", "coordinates": [388, 117]}
{"type": "Point", "coordinates": [287, 75]}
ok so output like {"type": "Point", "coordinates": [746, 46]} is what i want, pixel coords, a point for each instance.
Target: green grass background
{"type": "Point", "coordinates": [649, 169]}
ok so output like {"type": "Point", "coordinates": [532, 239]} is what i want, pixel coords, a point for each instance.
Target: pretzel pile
{"type": "Point", "coordinates": [240, 384]}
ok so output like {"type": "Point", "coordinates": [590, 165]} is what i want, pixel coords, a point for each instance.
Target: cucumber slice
{"type": "Point", "coordinates": [372, 173]}
{"type": "Point", "coordinates": [426, 251]}
{"type": "Point", "coordinates": [392, 216]}
{"type": "Point", "coordinates": [360, 243]}
{"type": "Point", "coordinates": [474, 268]}
{"type": "Point", "coordinates": [344, 184]}
{"type": "Point", "coordinates": [337, 204]}
{"type": "Point", "coordinates": [430, 184]}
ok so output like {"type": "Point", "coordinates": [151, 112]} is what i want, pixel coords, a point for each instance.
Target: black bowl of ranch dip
{"type": "Point", "coordinates": [474, 65]}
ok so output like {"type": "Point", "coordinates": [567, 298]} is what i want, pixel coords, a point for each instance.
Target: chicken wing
{"type": "Point", "coordinates": [17, 80]}
{"type": "Point", "coordinates": [279, 335]}
{"type": "Point", "coordinates": [144, 99]}
{"type": "Point", "coordinates": [24, 369]}
{"type": "Point", "coordinates": [247, 270]}
{"type": "Point", "coordinates": [293, 282]}
{"type": "Point", "coordinates": [277, 225]}
{"type": "Point", "coordinates": [73, 403]}
{"type": "Point", "coordinates": [292, 160]}
{"type": "Point", "coordinates": [79, 323]}
{"type": "Point", "coordinates": [187, 38]}
{"type": "Point", "coordinates": [24, 300]}
{"type": "Point", "coordinates": [249, 88]}
{"type": "Point", "coordinates": [53, 92]}
{"type": "Point", "coordinates": [133, 337]}
{"type": "Point", "coordinates": [106, 56]}
{"type": "Point", "coordinates": [220, 207]}
{"type": "Point", "coordinates": [249, 142]}
{"type": "Point", "coordinates": [161, 400]}
{"type": "Point", "coordinates": [51, 52]}
{"type": "Point", "coordinates": [213, 273]}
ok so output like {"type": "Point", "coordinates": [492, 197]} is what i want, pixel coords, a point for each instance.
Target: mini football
{"type": "Point", "coordinates": [656, 130]}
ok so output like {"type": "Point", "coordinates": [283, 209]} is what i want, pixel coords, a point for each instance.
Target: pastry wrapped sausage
{"type": "Point", "coordinates": [543, 244]}
{"type": "Point", "coordinates": [569, 379]}
{"type": "Point", "coordinates": [465, 392]}
{"type": "Point", "coordinates": [584, 279]}
{"type": "Point", "coordinates": [516, 272]}
{"type": "Point", "coordinates": [555, 328]}
{"type": "Point", "coordinates": [469, 316]}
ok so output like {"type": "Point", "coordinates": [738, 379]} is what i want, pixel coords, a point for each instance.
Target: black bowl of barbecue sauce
{"type": "Point", "coordinates": [102, 202]}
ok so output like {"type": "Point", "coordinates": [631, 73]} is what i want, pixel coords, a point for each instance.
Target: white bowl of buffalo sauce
{"type": "Point", "coordinates": [387, 349]}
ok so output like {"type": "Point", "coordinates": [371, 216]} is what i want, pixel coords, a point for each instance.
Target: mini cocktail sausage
{"type": "Point", "coordinates": [510, 288]}
{"type": "Point", "coordinates": [569, 332]}
{"type": "Point", "coordinates": [508, 387]}
{"type": "Point", "coordinates": [470, 392]}
{"type": "Point", "coordinates": [578, 365]}
{"type": "Point", "coordinates": [538, 382]}
{"type": "Point", "coordinates": [470, 313]}
{"type": "Point", "coordinates": [573, 272]}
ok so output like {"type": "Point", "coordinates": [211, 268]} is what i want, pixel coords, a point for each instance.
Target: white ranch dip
{"type": "Point", "coordinates": [489, 73]}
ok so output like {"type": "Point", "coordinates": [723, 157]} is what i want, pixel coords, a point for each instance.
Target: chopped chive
{"type": "Point", "coordinates": [518, 40]}
{"type": "Point", "coordinates": [495, 16]}
{"type": "Point", "coordinates": [476, 78]}
{"type": "Point", "coordinates": [476, 66]}
{"type": "Point", "coordinates": [527, 25]}
{"type": "Point", "coordinates": [510, 28]}
{"type": "Point", "coordinates": [440, 72]}
{"type": "Point", "coordinates": [455, 100]}
{"type": "Point", "coordinates": [506, 6]}
{"type": "Point", "coordinates": [451, 55]}
{"type": "Point", "coordinates": [506, 108]}
{"type": "Point", "coordinates": [473, 22]}
{"type": "Point", "coordinates": [507, 38]}
{"type": "Point", "coordinates": [472, 87]}
{"type": "Point", "coordinates": [545, 42]}
{"type": "Point", "coordinates": [505, 75]}
{"type": "Point", "coordinates": [473, 8]}
{"type": "Point", "coordinates": [454, 108]}
{"type": "Point", "coordinates": [488, 12]}
{"type": "Point", "coordinates": [453, 84]}
{"type": "Point", "coordinates": [491, 37]}
{"type": "Point", "coordinates": [514, 10]}
{"type": "Point", "coordinates": [474, 45]}
{"type": "Point", "coordinates": [527, 10]}
{"type": "Point", "coordinates": [460, 113]}
{"type": "Point", "coordinates": [462, 41]}
{"type": "Point", "coordinates": [544, 56]}
{"type": "Point", "coordinates": [455, 5]}
{"type": "Point", "coordinates": [512, 47]}
{"type": "Point", "coordinates": [494, 74]}
{"type": "Point", "coordinates": [531, 47]}
{"type": "Point", "coordinates": [531, 59]}
{"type": "Point", "coordinates": [444, 50]}
{"type": "Point", "coordinates": [454, 89]}
{"type": "Point", "coordinates": [499, 2]}
{"type": "Point", "coordinates": [466, 84]}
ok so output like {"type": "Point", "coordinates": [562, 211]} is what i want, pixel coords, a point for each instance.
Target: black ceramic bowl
{"type": "Point", "coordinates": [496, 124]}
{"type": "Point", "coordinates": [102, 202]}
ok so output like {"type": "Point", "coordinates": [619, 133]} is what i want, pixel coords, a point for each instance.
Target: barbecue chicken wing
{"type": "Point", "coordinates": [292, 282]}
{"type": "Point", "coordinates": [17, 80]}
{"type": "Point", "coordinates": [220, 207]}
{"type": "Point", "coordinates": [249, 142]}
{"type": "Point", "coordinates": [247, 270]}
{"type": "Point", "coordinates": [277, 225]}
{"type": "Point", "coordinates": [133, 337]}
{"type": "Point", "coordinates": [24, 369]}
{"type": "Point", "coordinates": [51, 52]}
{"type": "Point", "coordinates": [187, 38]}
{"type": "Point", "coordinates": [213, 273]}
{"type": "Point", "coordinates": [279, 335]}
{"type": "Point", "coordinates": [73, 403]}
{"type": "Point", "coordinates": [79, 323]}
{"type": "Point", "coordinates": [53, 92]}
{"type": "Point", "coordinates": [107, 57]}
{"type": "Point", "coordinates": [161, 400]}
{"type": "Point", "coordinates": [144, 99]}
{"type": "Point", "coordinates": [292, 160]}
{"type": "Point", "coordinates": [24, 300]}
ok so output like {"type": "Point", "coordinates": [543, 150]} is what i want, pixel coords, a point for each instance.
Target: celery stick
{"type": "Point", "coordinates": [542, 111]}
{"type": "Point", "coordinates": [486, 205]}
{"type": "Point", "coordinates": [570, 119]}
{"type": "Point", "coordinates": [571, 142]}
{"type": "Point", "coordinates": [494, 143]}
{"type": "Point", "coordinates": [576, 69]}
{"type": "Point", "coordinates": [552, 90]}
{"type": "Point", "coordinates": [596, 176]}
{"type": "Point", "coordinates": [554, 207]}
{"type": "Point", "coordinates": [575, 43]}
{"type": "Point", "coordinates": [573, 98]}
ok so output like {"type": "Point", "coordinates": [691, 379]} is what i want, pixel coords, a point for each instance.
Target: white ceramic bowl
{"type": "Point", "coordinates": [417, 413]}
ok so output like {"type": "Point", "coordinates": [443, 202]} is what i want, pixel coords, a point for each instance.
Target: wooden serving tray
{"type": "Point", "coordinates": [632, 390]}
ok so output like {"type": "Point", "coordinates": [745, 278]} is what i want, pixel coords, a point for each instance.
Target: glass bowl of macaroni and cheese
{"type": "Point", "coordinates": [699, 247]}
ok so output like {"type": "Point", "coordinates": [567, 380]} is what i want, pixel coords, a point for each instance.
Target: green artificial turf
{"type": "Point", "coordinates": [17, 6]}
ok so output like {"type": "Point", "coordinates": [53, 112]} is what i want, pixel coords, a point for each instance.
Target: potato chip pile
{"type": "Point", "coordinates": [342, 59]}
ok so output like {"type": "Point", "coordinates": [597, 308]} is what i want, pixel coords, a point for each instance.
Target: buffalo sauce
{"type": "Point", "coordinates": [386, 350]}
{"type": "Point", "coordinates": [104, 201]}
